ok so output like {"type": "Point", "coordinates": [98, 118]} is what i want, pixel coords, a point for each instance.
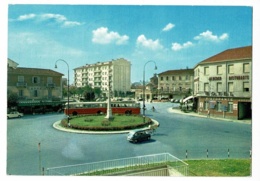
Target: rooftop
{"type": "Point", "coordinates": [230, 55]}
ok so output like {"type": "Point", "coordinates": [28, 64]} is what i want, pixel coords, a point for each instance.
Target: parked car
{"type": "Point", "coordinates": [14, 114]}
{"type": "Point", "coordinates": [138, 135]}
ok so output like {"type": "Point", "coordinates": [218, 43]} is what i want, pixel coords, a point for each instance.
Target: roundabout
{"type": "Point", "coordinates": [58, 125]}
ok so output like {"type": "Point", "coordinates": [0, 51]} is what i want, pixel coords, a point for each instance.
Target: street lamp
{"type": "Point", "coordinates": [67, 85]}
{"type": "Point", "coordinates": [155, 68]}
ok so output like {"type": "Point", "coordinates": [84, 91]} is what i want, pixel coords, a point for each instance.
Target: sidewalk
{"type": "Point", "coordinates": [178, 111]}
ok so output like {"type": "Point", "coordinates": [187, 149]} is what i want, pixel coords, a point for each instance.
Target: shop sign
{"type": "Point", "coordinates": [215, 78]}
{"type": "Point", "coordinates": [239, 77]}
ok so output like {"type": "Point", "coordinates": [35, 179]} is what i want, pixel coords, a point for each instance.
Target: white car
{"type": "Point", "coordinates": [14, 114]}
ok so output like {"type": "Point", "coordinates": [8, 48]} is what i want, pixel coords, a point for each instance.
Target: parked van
{"type": "Point", "coordinates": [138, 135]}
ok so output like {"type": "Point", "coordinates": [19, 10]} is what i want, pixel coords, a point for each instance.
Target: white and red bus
{"type": "Point", "coordinates": [120, 107]}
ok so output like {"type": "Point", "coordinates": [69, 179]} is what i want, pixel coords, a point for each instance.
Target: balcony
{"type": "Point", "coordinates": [50, 85]}
{"type": "Point", "coordinates": [21, 84]}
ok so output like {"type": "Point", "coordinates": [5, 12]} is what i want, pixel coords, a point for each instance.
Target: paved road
{"type": "Point", "coordinates": [176, 134]}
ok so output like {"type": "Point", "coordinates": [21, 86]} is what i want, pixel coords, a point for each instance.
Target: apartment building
{"type": "Point", "coordinates": [223, 84]}
{"type": "Point", "coordinates": [114, 73]}
{"type": "Point", "coordinates": [175, 83]}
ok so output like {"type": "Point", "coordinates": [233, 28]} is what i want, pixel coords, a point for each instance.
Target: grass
{"type": "Point", "coordinates": [225, 167]}
{"type": "Point", "coordinates": [120, 120]}
{"type": "Point", "coordinates": [207, 168]}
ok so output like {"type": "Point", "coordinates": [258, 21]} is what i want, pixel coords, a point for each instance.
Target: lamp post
{"type": "Point", "coordinates": [155, 67]}
{"type": "Point", "coordinates": [67, 85]}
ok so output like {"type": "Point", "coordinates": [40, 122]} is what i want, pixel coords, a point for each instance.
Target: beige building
{"type": "Point", "coordinates": [116, 73]}
{"type": "Point", "coordinates": [175, 83]}
{"type": "Point", "coordinates": [34, 83]}
{"type": "Point", "coordinates": [223, 83]}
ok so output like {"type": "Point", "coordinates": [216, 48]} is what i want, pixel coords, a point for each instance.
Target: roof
{"type": "Point", "coordinates": [174, 72]}
{"type": "Point", "coordinates": [34, 71]}
{"type": "Point", "coordinates": [230, 54]}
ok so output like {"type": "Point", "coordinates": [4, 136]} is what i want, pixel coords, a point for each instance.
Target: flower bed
{"type": "Point", "coordinates": [99, 123]}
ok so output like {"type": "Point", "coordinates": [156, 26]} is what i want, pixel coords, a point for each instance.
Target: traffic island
{"type": "Point", "coordinates": [97, 124]}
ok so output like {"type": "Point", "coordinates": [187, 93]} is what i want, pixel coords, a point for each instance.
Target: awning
{"type": "Point", "coordinates": [188, 98]}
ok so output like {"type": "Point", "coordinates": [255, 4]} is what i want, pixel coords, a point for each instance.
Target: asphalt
{"type": "Point", "coordinates": [57, 125]}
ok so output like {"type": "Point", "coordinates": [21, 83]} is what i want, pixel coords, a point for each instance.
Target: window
{"type": "Point", "coordinates": [173, 78]}
{"type": "Point", "coordinates": [35, 93]}
{"type": "Point", "coordinates": [206, 70]}
{"type": "Point", "coordinates": [187, 77]}
{"type": "Point", "coordinates": [36, 80]}
{"type": "Point", "coordinates": [219, 87]}
{"type": "Point", "coordinates": [230, 107]}
{"type": "Point", "coordinates": [20, 93]}
{"type": "Point", "coordinates": [179, 77]}
{"type": "Point", "coordinates": [20, 78]}
{"type": "Point", "coordinates": [219, 69]}
{"type": "Point", "coordinates": [49, 80]}
{"type": "Point", "coordinates": [230, 69]}
{"type": "Point", "coordinates": [230, 87]}
{"type": "Point", "coordinates": [206, 87]}
{"type": "Point", "coordinates": [219, 106]}
{"type": "Point", "coordinates": [206, 105]}
{"type": "Point", "coordinates": [167, 78]}
{"type": "Point", "coordinates": [246, 67]}
{"type": "Point", "coordinates": [246, 86]}
{"type": "Point", "coordinates": [161, 78]}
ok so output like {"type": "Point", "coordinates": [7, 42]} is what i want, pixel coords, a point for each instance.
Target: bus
{"type": "Point", "coordinates": [118, 107]}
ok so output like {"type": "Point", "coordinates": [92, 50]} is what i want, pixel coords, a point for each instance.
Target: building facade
{"type": "Point", "coordinates": [175, 83]}
{"type": "Point", "coordinates": [223, 84]}
{"type": "Point", "coordinates": [115, 73]}
{"type": "Point", "coordinates": [35, 87]}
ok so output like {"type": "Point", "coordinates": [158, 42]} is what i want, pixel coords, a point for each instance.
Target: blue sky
{"type": "Point", "coordinates": [175, 37]}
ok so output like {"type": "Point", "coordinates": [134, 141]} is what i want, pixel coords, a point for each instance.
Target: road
{"type": "Point", "coordinates": [184, 136]}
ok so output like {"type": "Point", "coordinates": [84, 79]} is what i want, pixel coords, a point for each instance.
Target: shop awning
{"type": "Point", "coordinates": [188, 98]}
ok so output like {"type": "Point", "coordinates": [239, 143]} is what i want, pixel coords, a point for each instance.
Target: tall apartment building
{"type": "Point", "coordinates": [223, 83]}
{"type": "Point", "coordinates": [175, 83]}
{"type": "Point", "coordinates": [116, 73]}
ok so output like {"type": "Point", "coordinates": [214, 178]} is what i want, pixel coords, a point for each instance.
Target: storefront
{"type": "Point", "coordinates": [225, 107]}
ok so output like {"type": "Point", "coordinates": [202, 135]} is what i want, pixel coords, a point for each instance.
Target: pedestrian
{"type": "Point", "coordinates": [208, 114]}
{"type": "Point", "coordinates": [153, 108]}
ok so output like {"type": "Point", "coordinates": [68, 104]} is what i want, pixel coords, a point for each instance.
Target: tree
{"type": "Point", "coordinates": [12, 99]}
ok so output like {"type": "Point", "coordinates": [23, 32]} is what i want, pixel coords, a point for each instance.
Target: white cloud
{"type": "Point", "coordinates": [168, 27]}
{"type": "Point", "coordinates": [58, 18]}
{"type": "Point", "coordinates": [103, 36]}
{"type": "Point", "coordinates": [177, 46]}
{"type": "Point", "coordinates": [209, 36]}
{"type": "Point", "coordinates": [26, 17]}
{"type": "Point", "coordinates": [148, 43]}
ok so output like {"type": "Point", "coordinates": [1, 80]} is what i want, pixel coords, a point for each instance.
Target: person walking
{"type": "Point", "coordinates": [208, 114]}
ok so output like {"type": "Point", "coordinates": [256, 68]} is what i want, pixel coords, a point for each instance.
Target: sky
{"type": "Point", "coordinates": [174, 37]}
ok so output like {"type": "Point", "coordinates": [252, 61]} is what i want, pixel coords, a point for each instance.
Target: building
{"type": "Point", "coordinates": [175, 84]}
{"type": "Point", "coordinates": [34, 85]}
{"type": "Point", "coordinates": [223, 84]}
{"type": "Point", "coordinates": [115, 73]}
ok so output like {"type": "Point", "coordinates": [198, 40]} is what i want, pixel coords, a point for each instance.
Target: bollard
{"type": "Point", "coordinates": [228, 153]}
{"type": "Point", "coordinates": [42, 170]}
{"type": "Point", "coordinates": [186, 153]}
{"type": "Point", "coordinates": [207, 153]}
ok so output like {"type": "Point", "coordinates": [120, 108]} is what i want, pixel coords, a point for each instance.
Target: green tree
{"type": "Point", "coordinates": [12, 99]}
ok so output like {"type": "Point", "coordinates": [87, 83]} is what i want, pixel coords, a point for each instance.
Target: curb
{"type": "Point", "coordinates": [177, 111]}
{"type": "Point", "coordinates": [57, 126]}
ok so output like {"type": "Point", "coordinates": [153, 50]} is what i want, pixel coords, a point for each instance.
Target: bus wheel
{"type": "Point", "coordinates": [74, 113]}
{"type": "Point", "coordinates": [99, 112]}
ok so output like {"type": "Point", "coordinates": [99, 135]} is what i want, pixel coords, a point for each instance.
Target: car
{"type": "Point", "coordinates": [138, 135]}
{"type": "Point", "coordinates": [14, 114]}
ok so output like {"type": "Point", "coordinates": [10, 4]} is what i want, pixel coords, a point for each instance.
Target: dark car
{"type": "Point", "coordinates": [138, 135]}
